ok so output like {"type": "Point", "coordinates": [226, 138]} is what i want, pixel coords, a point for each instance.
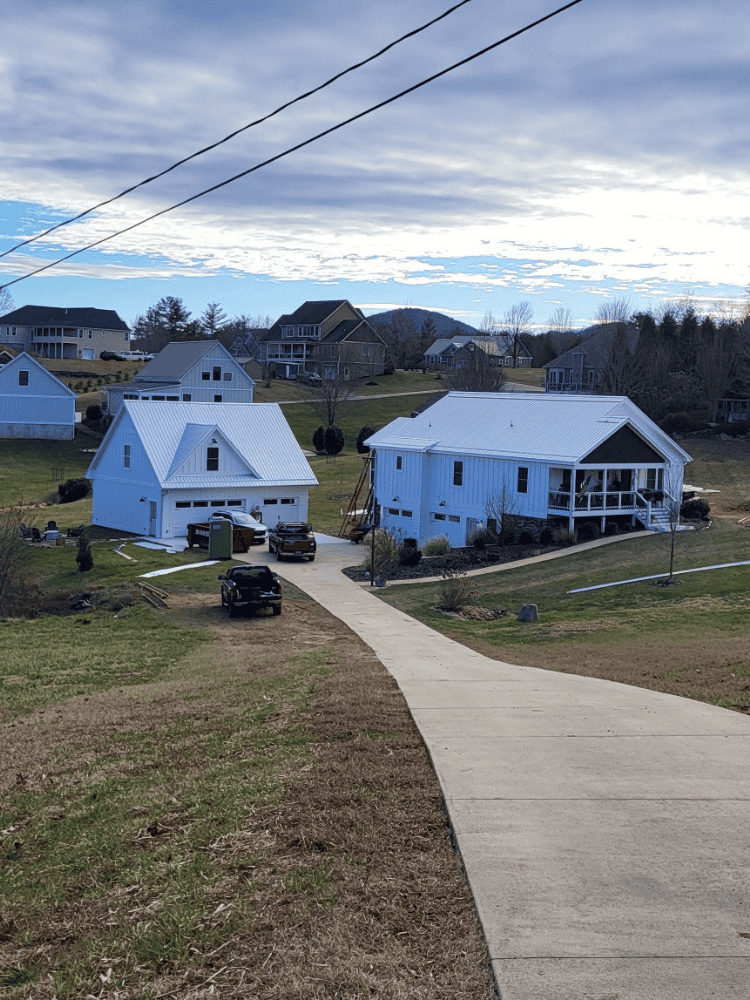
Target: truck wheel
{"type": "Point", "coordinates": [278, 555]}
{"type": "Point", "coordinates": [276, 609]}
{"type": "Point", "coordinates": [312, 558]}
{"type": "Point", "coordinates": [232, 608]}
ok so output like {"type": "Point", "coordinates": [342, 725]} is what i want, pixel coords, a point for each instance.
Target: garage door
{"type": "Point", "coordinates": [277, 509]}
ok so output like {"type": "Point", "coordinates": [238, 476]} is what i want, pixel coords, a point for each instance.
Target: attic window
{"type": "Point", "coordinates": [212, 459]}
{"type": "Point", "coordinates": [227, 376]}
{"type": "Point", "coordinates": [458, 473]}
{"type": "Point", "coordinates": [206, 376]}
{"type": "Point", "coordinates": [523, 479]}
{"type": "Point", "coordinates": [126, 456]}
{"type": "Point", "coordinates": [217, 374]}
{"type": "Point", "coordinates": [23, 377]}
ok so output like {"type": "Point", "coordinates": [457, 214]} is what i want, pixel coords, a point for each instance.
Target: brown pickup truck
{"type": "Point", "coordinates": [292, 538]}
{"type": "Point", "coordinates": [198, 534]}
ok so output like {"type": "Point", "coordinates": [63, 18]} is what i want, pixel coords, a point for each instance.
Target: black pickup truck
{"type": "Point", "coordinates": [292, 538]}
{"type": "Point", "coordinates": [250, 587]}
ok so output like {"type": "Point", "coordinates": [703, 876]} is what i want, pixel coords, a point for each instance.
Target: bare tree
{"type": "Point", "coordinates": [500, 510]}
{"type": "Point", "coordinates": [516, 323]}
{"type": "Point", "coordinates": [561, 322]}
{"type": "Point", "coordinates": [328, 395]}
{"type": "Point", "coordinates": [672, 505]}
{"type": "Point", "coordinates": [613, 311]}
{"type": "Point", "coordinates": [482, 373]}
{"type": "Point", "coordinates": [6, 301]}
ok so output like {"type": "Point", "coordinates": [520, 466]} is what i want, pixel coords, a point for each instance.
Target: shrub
{"type": "Point", "coordinates": [84, 558]}
{"type": "Point", "coordinates": [437, 546]}
{"type": "Point", "coordinates": [611, 528]}
{"type": "Point", "coordinates": [319, 439]}
{"type": "Point", "coordinates": [408, 553]}
{"type": "Point", "coordinates": [526, 538]}
{"type": "Point", "coordinates": [679, 423]}
{"type": "Point", "coordinates": [546, 536]}
{"type": "Point", "coordinates": [456, 590]}
{"type": "Point", "coordinates": [389, 369]}
{"type": "Point", "coordinates": [73, 489]}
{"type": "Point", "coordinates": [386, 545]}
{"type": "Point", "coordinates": [93, 412]}
{"type": "Point", "coordinates": [588, 532]}
{"type": "Point", "coordinates": [695, 509]}
{"type": "Point", "coordinates": [334, 440]}
{"type": "Point", "coordinates": [563, 536]}
{"type": "Point", "coordinates": [481, 538]}
{"type": "Point", "coordinates": [361, 437]}
{"type": "Point", "coordinates": [736, 429]}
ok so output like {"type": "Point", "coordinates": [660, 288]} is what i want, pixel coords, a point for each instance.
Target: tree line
{"type": "Point", "coordinates": [169, 320]}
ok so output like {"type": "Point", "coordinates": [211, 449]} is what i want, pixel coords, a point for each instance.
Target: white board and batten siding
{"type": "Point", "coordinates": [34, 403]}
{"type": "Point", "coordinates": [164, 465]}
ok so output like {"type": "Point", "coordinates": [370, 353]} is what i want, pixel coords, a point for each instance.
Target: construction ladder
{"type": "Point", "coordinates": [357, 518]}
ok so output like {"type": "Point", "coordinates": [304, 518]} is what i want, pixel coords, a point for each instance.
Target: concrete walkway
{"type": "Point", "coordinates": [605, 829]}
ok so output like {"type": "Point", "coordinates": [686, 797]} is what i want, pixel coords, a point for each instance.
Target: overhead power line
{"type": "Point", "coordinates": [301, 145]}
{"type": "Point", "coordinates": [239, 131]}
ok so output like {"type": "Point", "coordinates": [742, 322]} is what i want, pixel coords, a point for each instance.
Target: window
{"type": "Point", "coordinates": [523, 479]}
{"type": "Point", "coordinates": [173, 399]}
{"type": "Point", "coordinates": [187, 397]}
{"type": "Point", "coordinates": [217, 399]}
{"type": "Point", "coordinates": [234, 503]}
{"type": "Point", "coordinates": [399, 462]}
{"type": "Point", "coordinates": [206, 376]}
{"type": "Point", "coordinates": [438, 517]}
{"type": "Point", "coordinates": [182, 503]}
{"type": "Point", "coordinates": [23, 377]}
{"type": "Point", "coordinates": [393, 510]}
{"type": "Point", "coordinates": [288, 331]}
{"type": "Point", "coordinates": [91, 334]}
{"type": "Point", "coordinates": [217, 374]}
{"type": "Point", "coordinates": [212, 459]}
{"type": "Point", "coordinates": [227, 376]}
{"type": "Point", "coordinates": [218, 503]}
{"type": "Point", "coordinates": [126, 456]}
{"type": "Point", "coordinates": [288, 500]}
{"type": "Point", "coordinates": [200, 503]}
{"type": "Point", "coordinates": [405, 513]}
{"type": "Point", "coordinates": [80, 334]}
{"type": "Point", "coordinates": [269, 502]}
{"type": "Point", "coordinates": [458, 473]}
{"type": "Point", "coordinates": [454, 518]}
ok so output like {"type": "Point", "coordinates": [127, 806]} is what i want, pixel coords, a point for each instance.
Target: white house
{"type": "Point", "coordinates": [34, 403]}
{"type": "Point", "coordinates": [163, 465]}
{"type": "Point", "coordinates": [554, 459]}
{"type": "Point", "coordinates": [197, 371]}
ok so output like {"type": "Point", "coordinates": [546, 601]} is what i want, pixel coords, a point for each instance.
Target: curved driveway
{"type": "Point", "coordinates": [605, 829]}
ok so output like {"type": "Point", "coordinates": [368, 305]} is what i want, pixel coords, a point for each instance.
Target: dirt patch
{"type": "Point", "coordinates": [348, 885]}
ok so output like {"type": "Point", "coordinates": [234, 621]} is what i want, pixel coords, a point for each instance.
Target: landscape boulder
{"type": "Point", "coordinates": [528, 613]}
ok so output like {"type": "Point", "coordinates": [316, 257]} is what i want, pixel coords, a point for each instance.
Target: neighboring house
{"type": "Point", "coordinates": [452, 354]}
{"type": "Point", "coordinates": [553, 459]}
{"type": "Point", "coordinates": [197, 371]}
{"type": "Point", "coordinates": [330, 338]}
{"type": "Point", "coordinates": [730, 411]}
{"type": "Point", "coordinates": [52, 332]}
{"type": "Point", "coordinates": [581, 368]}
{"type": "Point", "coordinates": [246, 346]}
{"type": "Point", "coordinates": [34, 403]}
{"type": "Point", "coordinates": [163, 465]}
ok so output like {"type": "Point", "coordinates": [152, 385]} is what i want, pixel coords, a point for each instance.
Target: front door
{"type": "Point", "coordinates": [152, 517]}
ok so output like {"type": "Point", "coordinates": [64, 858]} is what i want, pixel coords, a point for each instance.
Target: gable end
{"type": "Point", "coordinates": [625, 447]}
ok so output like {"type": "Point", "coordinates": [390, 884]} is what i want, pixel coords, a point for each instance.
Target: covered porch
{"type": "Point", "coordinates": [607, 491]}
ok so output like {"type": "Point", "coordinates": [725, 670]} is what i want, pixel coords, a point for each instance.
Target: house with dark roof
{"type": "Point", "coordinates": [330, 338]}
{"type": "Point", "coordinates": [188, 371]}
{"type": "Point", "coordinates": [453, 353]}
{"type": "Point", "coordinates": [581, 369]}
{"type": "Point", "coordinates": [54, 332]}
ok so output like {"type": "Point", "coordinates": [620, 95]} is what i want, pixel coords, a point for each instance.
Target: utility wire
{"type": "Point", "coordinates": [301, 145]}
{"type": "Point", "coordinates": [258, 121]}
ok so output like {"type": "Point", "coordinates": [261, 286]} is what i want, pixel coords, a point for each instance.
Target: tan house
{"type": "Point", "coordinates": [331, 339]}
{"type": "Point", "coordinates": [52, 332]}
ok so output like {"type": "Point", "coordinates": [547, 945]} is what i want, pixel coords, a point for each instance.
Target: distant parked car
{"type": "Point", "coordinates": [134, 356]}
{"type": "Point", "coordinates": [110, 356]}
{"type": "Point", "coordinates": [250, 587]}
{"type": "Point", "coordinates": [242, 520]}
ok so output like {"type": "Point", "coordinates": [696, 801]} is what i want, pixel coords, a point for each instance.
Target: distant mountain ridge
{"type": "Point", "coordinates": [445, 326]}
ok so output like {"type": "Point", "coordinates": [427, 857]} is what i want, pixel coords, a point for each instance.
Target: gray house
{"type": "Point", "coordinates": [34, 403]}
{"type": "Point", "coordinates": [197, 371]}
{"type": "Point", "coordinates": [554, 460]}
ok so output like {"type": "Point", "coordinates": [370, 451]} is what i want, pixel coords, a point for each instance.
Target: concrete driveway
{"type": "Point", "coordinates": [605, 829]}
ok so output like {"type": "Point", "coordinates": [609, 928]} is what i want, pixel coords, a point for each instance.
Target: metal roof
{"type": "Point", "coordinates": [258, 432]}
{"type": "Point", "coordinates": [177, 357]}
{"type": "Point", "coordinates": [533, 426]}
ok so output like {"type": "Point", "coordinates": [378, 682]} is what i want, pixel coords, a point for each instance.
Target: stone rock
{"type": "Point", "coordinates": [528, 613]}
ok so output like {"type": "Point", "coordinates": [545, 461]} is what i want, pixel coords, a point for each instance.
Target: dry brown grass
{"type": "Point", "coordinates": [342, 882]}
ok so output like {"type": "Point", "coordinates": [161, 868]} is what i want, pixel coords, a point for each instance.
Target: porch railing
{"type": "Point", "coordinates": [624, 500]}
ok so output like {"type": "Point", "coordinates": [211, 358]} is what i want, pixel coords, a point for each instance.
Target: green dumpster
{"type": "Point", "coordinates": [220, 538]}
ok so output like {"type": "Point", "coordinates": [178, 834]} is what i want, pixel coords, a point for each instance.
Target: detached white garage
{"type": "Point", "coordinates": [163, 465]}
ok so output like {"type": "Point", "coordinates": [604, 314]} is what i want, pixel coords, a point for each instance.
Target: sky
{"type": "Point", "coordinates": [603, 154]}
